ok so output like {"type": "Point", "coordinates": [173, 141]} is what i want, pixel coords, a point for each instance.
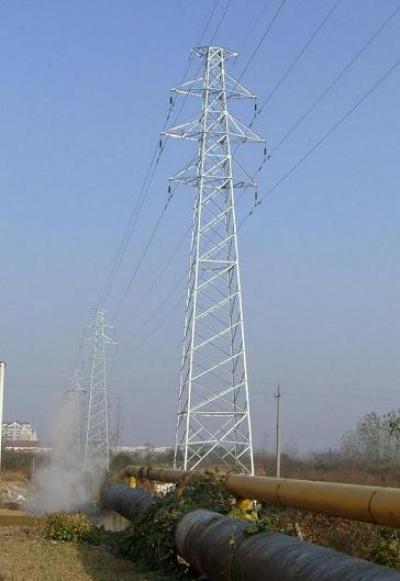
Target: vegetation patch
{"type": "Point", "coordinates": [26, 556]}
{"type": "Point", "coordinates": [148, 540]}
{"type": "Point", "coordinates": [70, 526]}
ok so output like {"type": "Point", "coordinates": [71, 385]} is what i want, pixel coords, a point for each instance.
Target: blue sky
{"type": "Point", "coordinates": [84, 92]}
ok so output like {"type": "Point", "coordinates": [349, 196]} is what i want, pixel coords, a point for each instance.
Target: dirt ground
{"type": "Point", "coordinates": [26, 556]}
{"type": "Point", "coordinates": [10, 517]}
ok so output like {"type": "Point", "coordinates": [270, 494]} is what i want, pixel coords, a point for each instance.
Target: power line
{"type": "Point", "coordinates": [149, 290]}
{"type": "Point", "coordinates": [245, 69]}
{"type": "Point", "coordinates": [208, 19]}
{"type": "Point", "coordinates": [163, 144]}
{"type": "Point", "coordinates": [129, 286]}
{"type": "Point", "coordinates": [122, 386]}
{"type": "Point", "coordinates": [165, 300]}
{"type": "Point", "coordinates": [262, 39]}
{"type": "Point", "coordinates": [200, 40]}
{"type": "Point", "coordinates": [151, 317]}
{"type": "Point", "coordinates": [133, 218]}
{"type": "Point", "coordinates": [325, 136]}
{"type": "Point", "coordinates": [48, 383]}
{"type": "Point", "coordinates": [343, 71]}
{"type": "Point", "coordinates": [153, 284]}
{"type": "Point", "coordinates": [299, 55]}
{"type": "Point", "coordinates": [257, 19]}
{"type": "Point", "coordinates": [141, 199]}
{"type": "Point", "coordinates": [335, 126]}
{"type": "Point", "coordinates": [320, 98]}
{"type": "Point", "coordinates": [370, 40]}
{"type": "Point", "coordinates": [346, 115]}
{"type": "Point", "coordinates": [329, 395]}
{"type": "Point", "coordinates": [164, 320]}
{"type": "Point", "coordinates": [149, 176]}
{"type": "Point", "coordinates": [207, 23]}
{"type": "Point", "coordinates": [220, 21]}
{"type": "Point", "coordinates": [141, 258]}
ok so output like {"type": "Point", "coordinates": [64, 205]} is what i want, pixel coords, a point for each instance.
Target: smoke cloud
{"type": "Point", "coordinates": [64, 484]}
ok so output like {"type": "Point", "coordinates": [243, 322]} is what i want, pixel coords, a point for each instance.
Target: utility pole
{"type": "Point", "coordinates": [213, 423]}
{"type": "Point", "coordinates": [118, 428]}
{"type": "Point", "coordinates": [278, 396]}
{"type": "Point", "coordinates": [2, 372]}
{"type": "Point", "coordinates": [97, 452]}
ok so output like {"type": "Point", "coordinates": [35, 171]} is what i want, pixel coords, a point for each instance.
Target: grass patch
{"type": "Point", "coordinates": [9, 517]}
{"type": "Point", "coordinates": [67, 526]}
{"type": "Point", "coordinates": [27, 556]}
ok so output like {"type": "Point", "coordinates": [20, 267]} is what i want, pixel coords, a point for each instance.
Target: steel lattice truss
{"type": "Point", "coordinates": [76, 406]}
{"type": "Point", "coordinates": [97, 442]}
{"type": "Point", "coordinates": [213, 404]}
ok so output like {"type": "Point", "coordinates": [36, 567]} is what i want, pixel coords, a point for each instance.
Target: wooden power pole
{"type": "Point", "coordinates": [277, 396]}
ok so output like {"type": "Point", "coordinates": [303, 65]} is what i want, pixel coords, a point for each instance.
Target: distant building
{"type": "Point", "coordinates": [18, 432]}
{"type": "Point", "coordinates": [144, 451]}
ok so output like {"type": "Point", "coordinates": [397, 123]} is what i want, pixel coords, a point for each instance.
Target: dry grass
{"type": "Point", "coordinates": [13, 476]}
{"type": "Point", "coordinates": [26, 556]}
{"type": "Point", "coordinates": [11, 516]}
{"type": "Point", "coordinates": [332, 467]}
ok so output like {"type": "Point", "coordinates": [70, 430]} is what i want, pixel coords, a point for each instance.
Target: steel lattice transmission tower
{"type": "Point", "coordinates": [97, 437]}
{"type": "Point", "coordinates": [213, 404]}
{"type": "Point", "coordinates": [76, 408]}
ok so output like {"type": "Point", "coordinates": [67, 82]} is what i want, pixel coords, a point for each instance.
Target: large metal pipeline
{"type": "Point", "coordinates": [129, 502]}
{"type": "Point", "coordinates": [219, 547]}
{"type": "Point", "coordinates": [373, 504]}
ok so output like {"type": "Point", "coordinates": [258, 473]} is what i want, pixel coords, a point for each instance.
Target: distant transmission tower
{"type": "Point", "coordinates": [97, 454]}
{"type": "Point", "coordinates": [213, 405]}
{"type": "Point", "coordinates": [76, 401]}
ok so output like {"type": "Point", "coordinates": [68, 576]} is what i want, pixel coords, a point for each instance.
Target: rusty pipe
{"type": "Point", "coordinates": [373, 504]}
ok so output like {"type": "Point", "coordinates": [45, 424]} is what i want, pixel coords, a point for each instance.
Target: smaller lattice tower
{"type": "Point", "coordinates": [97, 455]}
{"type": "Point", "coordinates": [76, 405]}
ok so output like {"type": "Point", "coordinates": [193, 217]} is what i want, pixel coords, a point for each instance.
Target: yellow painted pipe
{"type": "Point", "coordinates": [374, 504]}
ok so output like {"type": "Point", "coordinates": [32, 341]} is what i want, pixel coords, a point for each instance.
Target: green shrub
{"type": "Point", "coordinates": [150, 539]}
{"type": "Point", "coordinates": [75, 527]}
{"type": "Point", "coordinates": [387, 550]}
